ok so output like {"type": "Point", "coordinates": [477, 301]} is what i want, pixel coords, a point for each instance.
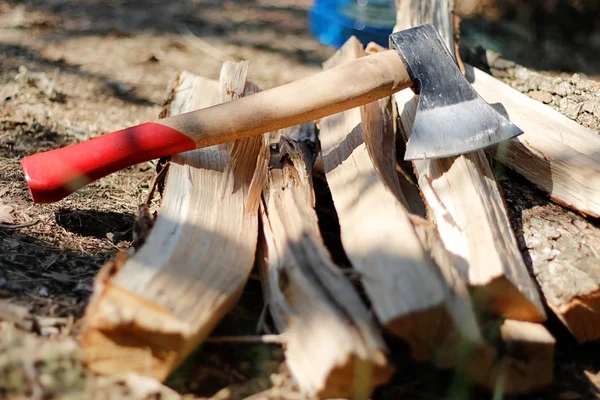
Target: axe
{"type": "Point", "coordinates": [451, 117]}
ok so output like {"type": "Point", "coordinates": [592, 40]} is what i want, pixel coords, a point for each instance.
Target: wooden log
{"type": "Point", "coordinates": [332, 346]}
{"type": "Point", "coordinates": [462, 196]}
{"type": "Point", "coordinates": [563, 248]}
{"type": "Point", "coordinates": [562, 158]}
{"type": "Point", "coordinates": [556, 154]}
{"type": "Point", "coordinates": [408, 293]}
{"type": "Point", "coordinates": [519, 361]}
{"type": "Point", "coordinates": [150, 311]}
{"type": "Point", "coordinates": [379, 137]}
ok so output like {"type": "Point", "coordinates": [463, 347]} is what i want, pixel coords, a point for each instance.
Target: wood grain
{"type": "Point", "coordinates": [333, 348]}
{"type": "Point", "coordinates": [407, 292]}
{"type": "Point", "coordinates": [463, 198]}
{"type": "Point", "coordinates": [520, 361]}
{"type": "Point", "coordinates": [379, 139]}
{"type": "Point", "coordinates": [150, 311]}
{"type": "Point", "coordinates": [555, 153]}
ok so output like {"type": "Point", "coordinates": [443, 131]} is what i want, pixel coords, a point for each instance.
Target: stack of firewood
{"type": "Point", "coordinates": [429, 242]}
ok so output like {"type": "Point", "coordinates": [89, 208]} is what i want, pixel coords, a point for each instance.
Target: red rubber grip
{"type": "Point", "coordinates": [55, 174]}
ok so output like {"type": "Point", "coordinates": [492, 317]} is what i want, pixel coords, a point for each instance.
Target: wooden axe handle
{"type": "Point", "coordinates": [55, 174]}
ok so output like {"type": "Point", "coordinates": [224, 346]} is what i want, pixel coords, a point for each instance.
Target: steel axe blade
{"type": "Point", "coordinates": [451, 117]}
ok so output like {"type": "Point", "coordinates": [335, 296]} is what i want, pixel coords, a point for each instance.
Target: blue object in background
{"type": "Point", "coordinates": [334, 21]}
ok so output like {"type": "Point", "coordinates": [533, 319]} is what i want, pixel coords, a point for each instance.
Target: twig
{"type": "Point", "coordinates": [19, 226]}
{"type": "Point", "coordinates": [155, 183]}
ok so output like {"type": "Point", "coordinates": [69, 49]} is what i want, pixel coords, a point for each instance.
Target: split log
{"type": "Point", "coordinates": [333, 348]}
{"type": "Point", "coordinates": [561, 158]}
{"type": "Point", "coordinates": [520, 361]}
{"type": "Point", "coordinates": [379, 137]}
{"type": "Point", "coordinates": [150, 311]}
{"type": "Point", "coordinates": [462, 196]}
{"type": "Point", "coordinates": [556, 154]}
{"type": "Point", "coordinates": [408, 293]}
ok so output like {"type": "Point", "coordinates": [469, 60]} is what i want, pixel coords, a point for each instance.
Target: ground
{"type": "Point", "coordinates": [70, 70]}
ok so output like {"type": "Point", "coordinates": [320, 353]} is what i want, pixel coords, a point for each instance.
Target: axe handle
{"type": "Point", "coordinates": [55, 174]}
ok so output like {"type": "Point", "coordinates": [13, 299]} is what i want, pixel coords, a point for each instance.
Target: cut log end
{"type": "Point", "coordinates": [424, 331]}
{"type": "Point", "coordinates": [502, 298]}
{"type": "Point", "coordinates": [581, 316]}
{"type": "Point", "coordinates": [463, 197]}
{"type": "Point", "coordinates": [523, 362]}
{"type": "Point", "coordinates": [358, 375]}
{"type": "Point", "coordinates": [152, 310]}
{"type": "Point", "coordinates": [123, 332]}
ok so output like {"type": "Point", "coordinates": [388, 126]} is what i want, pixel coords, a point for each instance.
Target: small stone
{"type": "Point", "coordinates": [496, 61]}
{"type": "Point", "coordinates": [522, 74]}
{"type": "Point", "coordinates": [538, 95]}
{"type": "Point", "coordinates": [43, 291]}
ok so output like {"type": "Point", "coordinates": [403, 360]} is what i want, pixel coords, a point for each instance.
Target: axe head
{"type": "Point", "coordinates": [451, 117]}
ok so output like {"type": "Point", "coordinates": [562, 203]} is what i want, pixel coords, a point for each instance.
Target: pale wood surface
{"type": "Point", "coordinates": [407, 293]}
{"type": "Point", "coordinates": [322, 94]}
{"type": "Point", "coordinates": [521, 362]}
{"type": "Point", "coordinates": [333, 348]}
{"type": "Point", "coordinates": [555, 153]}
{"type": "Point", "coordinates": [150, 311]}
{"type": "Point", "coordinates": [379, 139]}
{"type": "Point", "coordinates": [463, 197]}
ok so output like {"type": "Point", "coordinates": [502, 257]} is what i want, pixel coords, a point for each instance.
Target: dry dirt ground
{"type": "Point", "coordinates": [70, 70]}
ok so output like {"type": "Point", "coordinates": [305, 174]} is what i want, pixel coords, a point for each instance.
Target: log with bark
{"type": "Point", "coordinates": [463, 198]}
{"type": "Point", "coordinates": [333, 348]}
{"type": "Point", "coordinates": [564, 250]}
{"type": "Point", "coordinates": [410, 296]}
{"type": "Point", "coordinates": [519, 359]}
{"type": "Point", "coordinates": [556, 154]}
{"type": "Point", "coordinates": [148, 312]}
{"type": "Point", "coordinates": [561, 158]}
